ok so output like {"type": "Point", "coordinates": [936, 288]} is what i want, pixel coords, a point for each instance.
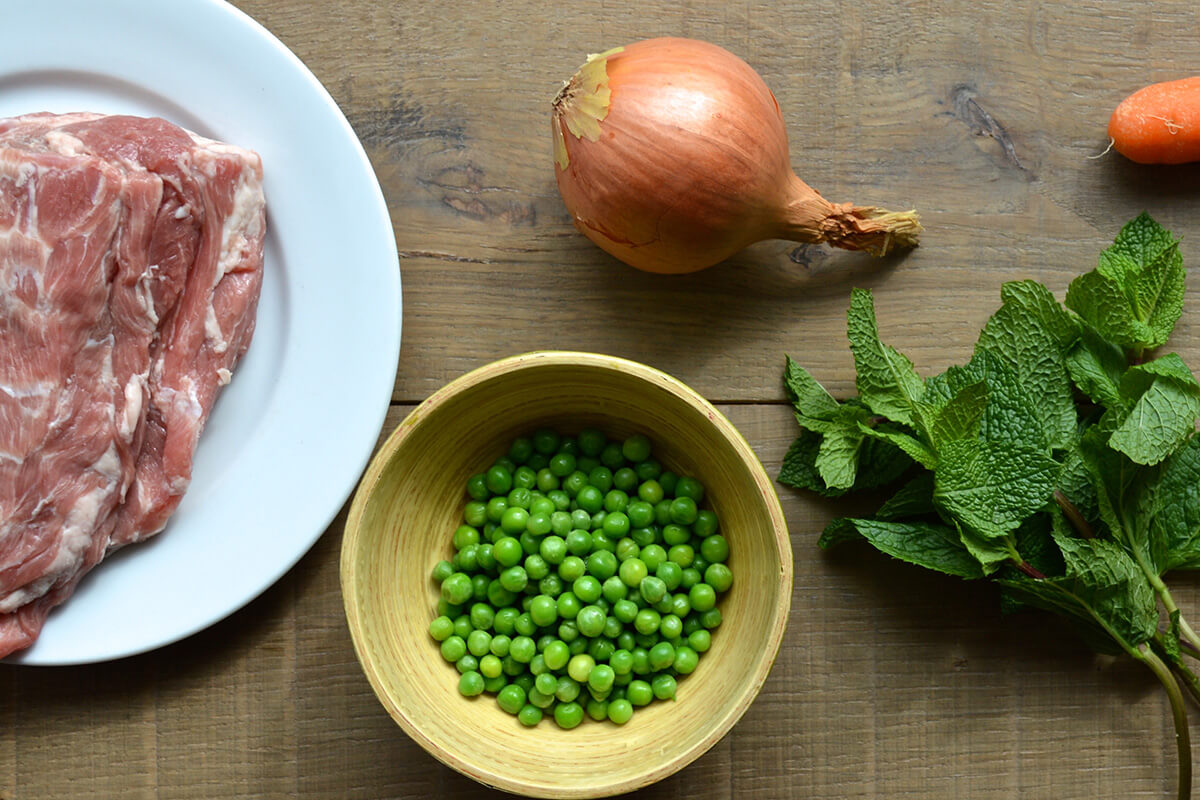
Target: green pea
{"type": "Point", "coordinates": [714, 548]}
{"type": "Point", "coordinates": [702, 596]}
{"type": "Point", "coordinates": [690, 488]}
{"type": "Point", "coordinates": [644, 536]}
{"type": "Point", "coordinates": [497, 595]}
{"type": "Point", "coordinates": [661, 656]}
{"type": "Point", "coordinates": [496, 508]}
{"type": "Point", "coordinates": [590, 499]}
{"type": "Point", "coordinates": [457, 588]}
{"type": "Point", "coordinates": [522, 649]}
{"type": "Point", "coordinates": [539, 699]}
{"type": "Point", "coordinates": [597, 710]}
{"type": "Point", "coordinates": [562, 464]}
{"type": "Point", "coordinates": [626, 480]}
{"type": "Point", "coordinates": [650, 491]}
{"type": "Point", "coordinates": [625, 611]}
{"type": "Point", "coordinates": [620, 711]}
{"type": "Point", "coordinates": [579, 542]}
{"type": "Point", "coordinates": [556, 654]}
{"type": "Point", "coordinates": [591, 441]}
{"type": "Point", "coordinates": [467, 663]}
{"type": "Point", "coordinates": [511, 698]}
{"type": "Point", "coordinates": [632, 572]}
{"type": "Point", "coordinates": [571, 568]}
{"type": "Point", "coordinates": [551, 585]}
{"type": "Point", "coordinates": [621, 662]}
{"type": "Point", "coordinates": [508, 551]}
{"type": "Point", "coordinates": [647, 621]}
{"type": "Point", "coordinates": [574, 482]}
{"type": "Point", "coordinates": [699, 640]}
{"type": "Point", "coordinates": [718, 576]}
{"type": "Point", "coordinates": [529, 715]}
{"type": "Point", "coordinates": [524, 478]}
{"type": "Point", "coordinates": [568, 715]}
{"type": "Point", "coordinates": [581, 519]}
{"type": "Point", "coordinates": [706, 524]}
{"type": "Point", "coordinates": [568, 689]}
{"type": "Point", "coordinates": [546, 440]}
{"type": "Point", "coordinates": [683, 511]}
{"type": "Point", "coordinates": [485, 557]}
{"type": "Point", "coordinates": [671, 627]}
{"type": "Point", "coordinates": [506, 619]}
{"type": "Point", "coordinates": [520, 450]}
{"type": "Point", "coordinates": [442, 570]}
{"type": "Point", "coordinates": [477, 487]}
{"type": "Point", "coordinates": [515, 579]}
{"type": "Point", "coordinates": [546, 683]}
{"type": "Point", "coordinates": [475, 513]}
{"type": "Point", "coordinates": [601, 649]}
{"type": "Point", "coordinates": [490, 666]}
{"type": "Point", "coordinates": [591, 621]}
{"type": "Point", "coordinates": [546, 481]}
{"type": "Point", "coordinates": [681, 606]}
{"type": "Point", "coordinates": [553, 549]}
{"type": "Point", "coordinates": [652, 589]}
{"type": "Point", "coordinates": [454, 648]}
{"type": "Point", "coordinates": [543, 610]}
{"type": "Point", "coordinates": [568, 631]}
{"type": "Point", "coordinates": [499, 480]}
{"type": "Point", "coordinates": [711, 618]}
{"type": "Point", "coordinates": [441, 628]}
{"type": "Point", "coordinates": [686, 659]}
{"type": "Point", "coordinates": [639, 693]}
{"type": "Point", "coordinates": [470, 684]}
{"type": "Point", "coordinates": [641, 661]}
{"type": "Point", "coordinates": [616, 500]}
{"type": "Point", "coordinates": [580, 666]}
{"type": "Point", "coordinates": [479, 643]}
{"type": "Point", "coordinates": [627, 548]}
{"type": "Point", "coordinates": [663, 687]}
{"type": "Point", "coordinates": [691, 577]}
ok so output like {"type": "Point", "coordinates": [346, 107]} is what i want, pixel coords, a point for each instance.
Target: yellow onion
{"type": "Point", "coordinates": [671, 155]}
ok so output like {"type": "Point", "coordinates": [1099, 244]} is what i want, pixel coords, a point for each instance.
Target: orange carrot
{"type": "Point", "coordinates": [1159, 124]}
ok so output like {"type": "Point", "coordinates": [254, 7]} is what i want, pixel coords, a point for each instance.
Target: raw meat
{"type": "Point", "coordinates": [130, 269]}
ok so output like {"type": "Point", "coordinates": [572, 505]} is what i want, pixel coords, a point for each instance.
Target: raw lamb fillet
{"type": "Point", "coordinates": [130, 269]}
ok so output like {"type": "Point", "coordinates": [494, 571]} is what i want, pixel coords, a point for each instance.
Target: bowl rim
{"type": "Point", "coordinates": [516, 363]}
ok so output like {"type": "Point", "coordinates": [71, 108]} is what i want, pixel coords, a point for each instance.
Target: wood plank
{"type": "Point", "coordinates": [981, 115]}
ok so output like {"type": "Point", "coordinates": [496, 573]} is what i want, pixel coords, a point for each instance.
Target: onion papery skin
{"type": "Point", "coordinates": [687, 163]}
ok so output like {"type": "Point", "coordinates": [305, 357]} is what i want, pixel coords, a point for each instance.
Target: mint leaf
{"type": "Point", "coordinates": [1107, 580]}
{"type": "Point", "coordinates": [1102, 590]}
{"type": "Point", "coordinates": [990, 553]}
{"type": "Point", "coordinates": [1174, 512]}
{"type": "Point", "coordinates": [1135, 296]}
{"type": "Point", "coordinates": [1163, 401]}
{"type": "Point", "coordinates": [887, 382]}
{"type": "Point", "coordinates": [934, 547]}
{"type": "Point", "coordinates": [1031, 334]}
{"type": "Point", "coordinates": [914, 499]}
{"type": "Point", "coordinates": [878, 465]}
{"type": "Point", "coordinates": [1011, 416]}
{"type": "Point", "coordinates": [991, 487]}
{"type": "Point", "coordinates": [1096, 367]}
{"type": "Point", "coordinates": [910, 446]}
{"type": "Point", "coordinates": [837, 457]}
{"type": "Point", "coordinates": [808, 396]}
{"type": "Point", "coordinates": [962, 417]}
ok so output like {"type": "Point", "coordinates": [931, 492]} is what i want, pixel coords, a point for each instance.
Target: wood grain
{"type": "Point", "coordinates": [890, 684]}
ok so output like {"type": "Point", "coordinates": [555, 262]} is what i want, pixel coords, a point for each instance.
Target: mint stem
{"type": "Point", "coordinates": [1183, 744]}
{"type": "Point", "coordinates": [1030, 570]}
{"type": "Point", "coordinates": [1081, 525]}
{"type": "Point", "coordinates": [1187, 634]}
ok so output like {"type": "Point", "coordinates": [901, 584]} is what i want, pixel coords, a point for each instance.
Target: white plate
{"type": "Point", "coordinates": [290, 435]}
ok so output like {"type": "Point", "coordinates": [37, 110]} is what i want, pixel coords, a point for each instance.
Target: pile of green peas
{"type": "Point", "coordinates": [585, 579]}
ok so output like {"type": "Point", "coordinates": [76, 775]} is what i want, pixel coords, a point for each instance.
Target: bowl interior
{"type": "Point", "coordinates": [411, 501]}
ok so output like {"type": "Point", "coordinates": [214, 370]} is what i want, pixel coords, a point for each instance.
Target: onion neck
{"type": "Point", "coordinates": [808, 217]}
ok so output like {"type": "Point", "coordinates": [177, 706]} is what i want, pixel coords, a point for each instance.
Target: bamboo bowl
{"type": "Point", "coordinates": [410, 501]}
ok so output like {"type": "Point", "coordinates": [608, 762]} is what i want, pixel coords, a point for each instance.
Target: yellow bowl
{"type": "Point", "coordinates": [410, 502]}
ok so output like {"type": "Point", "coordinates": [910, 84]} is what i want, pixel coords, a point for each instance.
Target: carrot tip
{"type": "Point", "coordinates": [1101, 155]}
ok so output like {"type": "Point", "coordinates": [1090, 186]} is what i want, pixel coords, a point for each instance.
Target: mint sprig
{"type": "Point", "coordinates": [1060, 462]}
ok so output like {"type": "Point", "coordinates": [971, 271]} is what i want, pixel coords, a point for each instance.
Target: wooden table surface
{"type": "Point", "coordinates": [983, 115]}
